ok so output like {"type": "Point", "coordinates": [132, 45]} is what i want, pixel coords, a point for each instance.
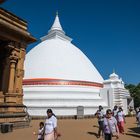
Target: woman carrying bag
{"type": "Point", "coordinates": [110, 126]}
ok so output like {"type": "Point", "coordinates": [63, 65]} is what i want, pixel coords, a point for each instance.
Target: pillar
{"type": "Point", "coordinates": [12, 74]}
{"type": "Point", "coordinates": [19, 75]}
{"type": "Point", "coordinates": [10, 97]}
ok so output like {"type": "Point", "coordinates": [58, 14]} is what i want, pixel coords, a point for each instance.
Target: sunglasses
{"type": "Point", "coordinates": [109, 113]}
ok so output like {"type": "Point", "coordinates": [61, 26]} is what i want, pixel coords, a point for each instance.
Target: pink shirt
{"type": "Point", "coordinates": [120, 116]}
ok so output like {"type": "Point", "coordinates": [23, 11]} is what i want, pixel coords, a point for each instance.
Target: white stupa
{"type": "Point", "coordinates": [58, 75]}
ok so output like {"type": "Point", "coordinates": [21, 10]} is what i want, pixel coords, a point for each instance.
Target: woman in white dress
{"type": "Point", "coordinates": [51, 126]}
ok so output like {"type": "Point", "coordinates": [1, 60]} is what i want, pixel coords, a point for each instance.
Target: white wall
{"type": "Point", "coordinates": [64, 100]}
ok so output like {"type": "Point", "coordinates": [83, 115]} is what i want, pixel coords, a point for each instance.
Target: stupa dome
{"type": "Point", "coordinates": [57, 58]}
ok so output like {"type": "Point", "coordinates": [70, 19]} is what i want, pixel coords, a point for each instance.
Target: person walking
{"type": "Point", "coordinates": [138, 118]}
{"type": "Point", "coordinates": [100, 115]}
{"type": "Point", "coordinates": [51, 126]}
{"type": "Point", "coordinates": [110, 126]}
{"type": "Point", "coordinates": [115, 111]}
{"type": "Point", "coordinates": [137, 111]}
{"type": "Point", "coordinates": [121, 120]}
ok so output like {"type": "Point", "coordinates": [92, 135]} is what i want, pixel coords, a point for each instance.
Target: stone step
{"type": "Point", "coordinates": [21, 124]}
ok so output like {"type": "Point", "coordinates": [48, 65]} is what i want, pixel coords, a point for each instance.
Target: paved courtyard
{"type": "Point", "coordinates": [82, 129]}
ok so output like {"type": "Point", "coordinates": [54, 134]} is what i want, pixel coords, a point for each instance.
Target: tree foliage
{"type": "Point", "coordinates": [135, 93]}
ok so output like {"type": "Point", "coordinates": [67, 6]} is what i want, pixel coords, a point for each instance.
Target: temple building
{"type": "Point", "coordinates": [59, 75]}
{"type": "Point", "coordinates": [14, 39]}
{"type": "Point", "coordinates": [117, 94]}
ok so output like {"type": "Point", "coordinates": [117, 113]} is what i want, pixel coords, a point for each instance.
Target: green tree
{"type": "Point", "coordinates": [135, 93]}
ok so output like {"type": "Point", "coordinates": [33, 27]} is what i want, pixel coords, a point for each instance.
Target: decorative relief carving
{"type": "Point", "coordinates": [22, 53]}
{"type": "Point", "coordinates": [13, 58]}
{"type": "Point", "coordinates": [19, 73]}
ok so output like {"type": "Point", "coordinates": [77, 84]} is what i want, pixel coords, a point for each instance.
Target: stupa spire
{"type": "Point", "coordinates": [56, 31]}
{"type": "Point", "coordinates": [56, 25]}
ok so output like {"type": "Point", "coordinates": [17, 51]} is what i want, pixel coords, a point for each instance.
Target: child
{"type": "Point", "coordinates": [40, 131]}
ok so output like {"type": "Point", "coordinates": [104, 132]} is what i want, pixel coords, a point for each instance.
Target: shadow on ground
{"type": "Point", "coordinates": [135, 132]}
{"type": "Point", "coordinates": [95, 126]}
{"type": "Point", "coordinates": [93, 133]}
{"type": "Point", "coordinates": [135, 129]}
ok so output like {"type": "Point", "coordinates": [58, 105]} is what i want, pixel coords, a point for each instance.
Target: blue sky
{"type": "Point", "coordinates": [107, 31]}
